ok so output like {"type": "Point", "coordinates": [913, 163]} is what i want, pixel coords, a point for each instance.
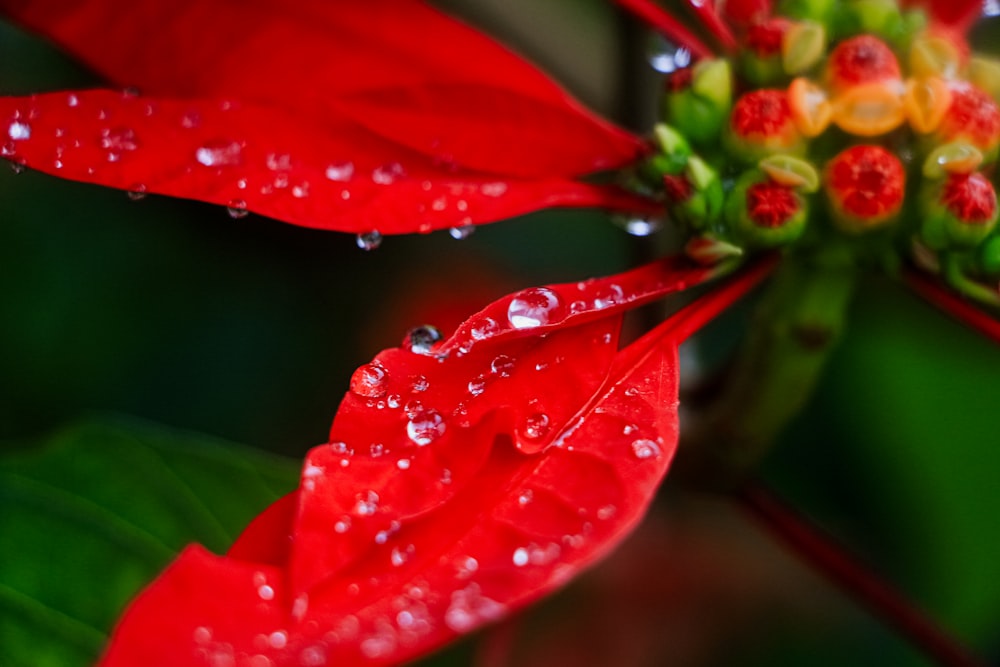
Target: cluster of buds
{"type": "Point", "coordinates": [855, 119]}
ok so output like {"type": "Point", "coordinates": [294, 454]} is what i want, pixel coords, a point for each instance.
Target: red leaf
{"type": "Point", "coordinates": [324, 83]}
{"type": "Point", "coordinates": [421, 522]}
{"type": "Point", "coordinates": [250, 157]}
{"type": "Point", "coordinates": [964, 311]}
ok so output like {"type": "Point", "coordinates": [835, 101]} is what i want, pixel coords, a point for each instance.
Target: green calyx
{"type": "Point", "coordinates": [700, 111]}
{"type": "Point", "coordinates": [762, 213]}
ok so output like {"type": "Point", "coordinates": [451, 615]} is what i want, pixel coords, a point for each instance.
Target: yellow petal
{"type": "Point", "coordinates": [868, 110]}
{"type": "Point", "coordinates": [811, 111]}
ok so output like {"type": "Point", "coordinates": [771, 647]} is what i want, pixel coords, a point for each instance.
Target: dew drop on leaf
{"type": "Point", "coordinates": [388, 174]}
{"type": "Point", "coordinates": [369, 240]}
{"type": "Point", "coordinates": [425, 427]}
{"type": "Point", "coordinates": [18, 130]}
{"type": "Point", "coordinates": [533, 307]}
{"type": "Point", "coordinates": [370, 381]}
{"type": "Point", "coordinates": [422, 339]}
{"type": "Point", "coordinates": [137, 192]}
{"type": "Point", "coordinates": [462, 231]}
{"type": "Point", "coordinates": [535, 426]}
{"type": "Point", "coordinates": [644, 448]}
{"type": "Point", "coordinates": [484, 328]}
{"type": "Point", "coordinates": [220, 154]}
{"type": "Point", "coordinates": [502, 365]}
{"type": "Point", "coordinates": [340, 171]}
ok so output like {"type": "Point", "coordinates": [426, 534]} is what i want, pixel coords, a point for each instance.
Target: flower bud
{"type": "Point", "coordinates": [760, 212]}
{"type": "Point", "coordinates": [960, 211]}
{"type": "Point", "coordinates": [761, 124]}
{"type": "Point", "coordinates": [972, 117]}
{"type": "Point", "coordinates": [879, 17]}
{"type": "Point", "coordinates": [698, 108]}
{"type": "Point", "coordinates": [760, 59]}
{"type": "Point", "coordinates": [865, 186]}
{"type": "Point", "coordinates": [695, 195]}
{"type": "Point", "coordinates": [861, 60]}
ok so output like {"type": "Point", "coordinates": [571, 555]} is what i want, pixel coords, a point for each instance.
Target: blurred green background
{"type": "Point", "coordinates": [247, 331]}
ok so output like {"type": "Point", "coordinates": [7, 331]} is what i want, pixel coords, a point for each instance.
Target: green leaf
{"type": "Point", "coordinates": [93, 513]}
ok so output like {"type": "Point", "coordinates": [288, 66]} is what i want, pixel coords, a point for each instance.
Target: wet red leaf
{"type": "Point", "coordinates": [384, 115]}
{"type": "Point", "coordinates": [459, 483]}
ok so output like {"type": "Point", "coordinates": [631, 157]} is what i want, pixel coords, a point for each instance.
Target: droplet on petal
{"type": "Point", "coordinates": [533, 308]}
{"type": "Point", "coordinates": [220, 154]}
{"type": "Point", "coordinates": [370, 381]}
{"type": "Point", "coordinates": [369, 240]}
{"type": "Point", "coordinates": [422, 339]}
{"type": "Point", "coordinates": [425, 427]}
{"type": "Point", "coordinates": [237, 208]}
{"type": "Point", "coordinates": [645, 448]}
{"type": "Point", "coordinates": [462, 231]}
{"type": "Point", "coordinates": [340, 171]}
{"type": "Point", "coordinates": [137, 192]}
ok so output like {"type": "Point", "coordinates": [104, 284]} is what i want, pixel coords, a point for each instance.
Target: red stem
{"type": "Point", "coordinates": [962, 310]}
{"type": "Point", "coordinates": [709, 17]}
{"type": "Point", "coordinates": [658, 19]}
{"type": "Point", "coordinates": [819, 550]}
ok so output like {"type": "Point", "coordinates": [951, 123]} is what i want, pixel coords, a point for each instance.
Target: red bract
{"type": "Point", "coordinates": [458, 484]}
{"type": "Point", "coordinates": [309, 113]}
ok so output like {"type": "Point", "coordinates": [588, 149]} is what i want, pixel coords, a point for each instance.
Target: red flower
{"type": "Point", "coordinates": [469, 476]}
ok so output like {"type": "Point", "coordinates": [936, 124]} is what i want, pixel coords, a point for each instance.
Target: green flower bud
{"type": "Point", "coordinates": [698, 106]}
{"type": "Point", "coordinates": [695, 196]}
{"type": "Point", "coordinates": [763, 213]}
{"type": "Point", "coordinates": [959, 211]}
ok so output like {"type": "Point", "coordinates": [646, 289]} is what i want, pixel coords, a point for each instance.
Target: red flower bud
{"type": "Point", "coordinates": [859, 60]}
{"type": "Point", "coordinates": [764, 39]}
{"type": "Point", "coordinates": [973, 117]}
{"type": "Point", "coordinates": [761, 124]}
{"type": "Point", "coordinates": [865, 185]}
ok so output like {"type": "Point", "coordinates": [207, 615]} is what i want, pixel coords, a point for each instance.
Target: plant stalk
{"type": "Point", "coordinates": [794, 329]}
{"type": "Point", "coordinates": [820, 551]}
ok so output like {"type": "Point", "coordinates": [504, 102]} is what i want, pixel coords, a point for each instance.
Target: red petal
{"type": "Point", "coordinates": [465, 107]}
{"type": "Point", "coordinates": [964, 311]}
{"type": "Point", "coordinates": [389, 560]}
{"type": "Point", "coordinates": [272, 161]}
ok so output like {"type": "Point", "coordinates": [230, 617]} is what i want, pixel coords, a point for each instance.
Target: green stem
{"type": "Point", "coordinates": [796, 326]}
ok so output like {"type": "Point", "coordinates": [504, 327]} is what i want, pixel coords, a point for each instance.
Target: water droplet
{"type": "Point", "coordinates": [629, 429]}
{"type": "Point", "coordinates": [370, 381]}
{"type": "Point", "coordinates": [137, 192]}
{"type": "Point", "coordinates": [502, 365]}
{"type": "Point", "coordinates": [477, 385]}
{"type": "Point", "coordinates": [367, 503]}
{"type": "Point", "coordinates": [18, 130]}
{"type": "Point", "coordinates": [237, 208]}
{"type": "Point", "coordinates": [190, 120]}
{"type": "Point", "coordinates": [422, 339]}
{"type": "Point", "coordinates": [606, 512]}
{"type": "Point", "coordinates": [72, 100]}
{"type": "Point", "coordinates": [202, 635]}
{"type": "Point", "coordinates": [400, 556]}
{"type": "Point", "coordinates": [278, 161]}
{"type": "Point", "coordinates": [17, 167]}
{"type": "Point", "coordinates": [265, 592]}
{"type": "Point", "coordinates": [525, 497]}
{"type": "Point", "coordinates": [376, 449]}
{"type": "Point", "coordinates": [413, 407]}
{"type": "Point", "coordinates": [535, 426]}
{"type": "Point", "coordinates": [484, 328]}
{"type": "Point", "coordinates": [403, 464]}
{"type": "Point", "coordinates": [369, 240]}
{"type": "Point", "coordinates": [425, 427]}
{"type": "Point", "coordinates": [312, 656]}
{"type": "Point", "coordinates": [9, 149]}
{"type": "Point", "coordinates": [665, 57]}
{"type": "Point", "coordinates": [393, 400]}
{"type": "Point", "coordinates": [342, 525]}
{"type": "Point", "coordinates": [533, 307]}
{"type": "Point", "coordinates": [118, 139]}
{"type": "Point", "coordinates": [278, 639]}
{"type": "Point", "coordinates": [640, 226]}
{"type": "Point", "coordinates": [644, 448]}
{"type": "Point", "coordinates": [608, 296]}
{"type": "Point", "coordinates": [341, 448]}
{"type": "Point", "coordinates": [493, 189]}
{"type": "Point", "coordinates": [300, 191]}
{"type": "Point", "coordinates": [340, 171]}
{"type": "Point", "coordinates": [220, 154]}
{"type": "Point", "coordinates": [462, 231]}
{"type": "Point", "coordinates": [445, 476]}
{"type": "Point", "coordinates": [991, 8]}
{"type": "Point", "coordinates": [388, 174]}
{"type": "Point", "coordinates": [520, 557]}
